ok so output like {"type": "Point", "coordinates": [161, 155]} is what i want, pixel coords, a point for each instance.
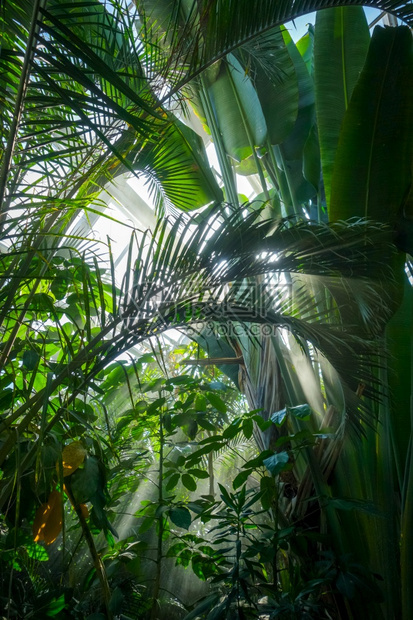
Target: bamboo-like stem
{"type": "Point", "coordinates": [295, 203]}
{"type": "Point", "coordinates": [279, 180]}
{"type": "Point", "coordinates": [385, 489]}
{"type": "Point", "coordinates": [97, 562]}
{"type": "Point", "coordinates": [406, 538]}
{"type": "Point", "coordinates": [211, 474]}
{"type": "Point", "coordinates": [159, 553]}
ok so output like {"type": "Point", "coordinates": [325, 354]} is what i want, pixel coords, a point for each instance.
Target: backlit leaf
{"type": "Point", "coordinates": [48, 520]}
{"type": "Point", "coordinates": [216, 402]}
{"type": "Point", "coordinates": [73, 455]}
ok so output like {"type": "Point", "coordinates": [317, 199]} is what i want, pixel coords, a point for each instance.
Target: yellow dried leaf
{"type": "Point", "coordinates": [73, 455]}
{"type": "Point", "coordinates": [47, 523]}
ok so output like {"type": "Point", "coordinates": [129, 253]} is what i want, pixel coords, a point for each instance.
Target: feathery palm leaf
{"type": "Point", "coordinates": [181, 279]}
{"type": "Point", "coordinates": [75, 83]}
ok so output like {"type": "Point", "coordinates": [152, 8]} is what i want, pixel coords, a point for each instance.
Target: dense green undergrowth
{"type": "Point", "coordinates": [176, 493]}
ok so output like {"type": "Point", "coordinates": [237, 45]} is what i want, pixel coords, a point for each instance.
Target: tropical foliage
{"type": "Point", "coordinates": [298, 294]}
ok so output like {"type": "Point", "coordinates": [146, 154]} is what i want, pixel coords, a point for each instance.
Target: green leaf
{"type": "Point", "coordinates": [181, 517]}
{"type": "Point", "coordinates": [199, 473]}
{"type": "Point", "coordinates": [141, 406]}
{"type": "Point", "coordinates": [146, 358]}
{"type": "Point", "coordinates": [341, 42]}
{"type": "Point", "coordinates": [155, 406]}
{"type": "Point", "coordinates": [58, 287]}
{"type": "Point", "coordinates": [311, 159]}
{"type": "Point", "coordinates": [43, 302]}
{"type": "Point", "coordinates": [237, 108]}
{"type": "Point", "coordinates": [241, 478]}
{"type": "Point", "coordinates": [216, 402]}
{"type": "Point", "coordinates": [37, 552]}
{"type": "Point", "coordinates": [188, 482]}
{"type": "Point", "coordinates": [173, 481]}
{"type": "Point", "coordinates": [268, 490]}
{"type": "Point", "coordinates": [372, 169]}
{"type": "Point", "coordinates": [175, 549]}
{"type": "Point", "coordinates": [206, 424]}
{"type": "Point", "coordinates": [154, 386]}
{"type": "Point", "coordinates": [183, 380]}
{"type": "Point", "coordinates": [115, 603]}
{"type": "Point", "coordinates": [248, 428]}
{"type": "Point", "coordinates": [55, 606]}
{"type": "Point", "coordinates": [86, 480]}
{"type": "Point", "coordinates": [167, 422]}
{"type": "Point", "coordinates": [147, 523]}
{"type": "Point", "coordinates": [261, 423]}
{"type": "Point", "coordinates": [30, 359]}
{"type": "Point", "coordinates": [279, 417]}
{"type": "Point", "coordinates": [277, 91]}
{"type": "Point", "coordinates": [354, 504]}
{"type": "Point", "coordinates": [190, 428]}
{"type": "Point", "coordinates": [258, 461]}
{"type": "Point", "coordinates": [232, 430]}
{"type": "Point", "coordinates": [305, 46]}
{"type": "Point", "coordinates": [302, 412]}
{"type": "Point", "coordinates": [197, 506]}
{"type": "Point", "coordinates": [177, 168]}
{"type": "Point", "coordinates": [226, 497]}
{"type": "Point", "coordinates": [203, 607]}
{"type": "Point", "coordinates": [200, 402]}
{"type": "Point", "coordinates": [276, 463]}
{"type": "Point", "coordinates": [293, 145]}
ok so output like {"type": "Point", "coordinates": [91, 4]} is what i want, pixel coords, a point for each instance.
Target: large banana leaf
{"type": "Point", "coordinates": [305, 46]}
{"type": "Point", "coordinates": [340, 48]}
{"type": "Point", "coordinates": [372, 169]}
{"type": "Point", "coordinates": [294, 143]}
{"type": "Point", "coordinates": [237, 109]}
{"type": "Point", "coordinates": [248, 18]}
{"type": "Point", "coordinates": [272, 71]}
{"type": "Point", "coordinates": [298, 155]}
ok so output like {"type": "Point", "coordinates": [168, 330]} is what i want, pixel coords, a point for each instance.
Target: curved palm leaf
{"type": "Point", "coordinates": [188, 276]}
{"type": "Point", "coordinates": [200, 36]}
{"type": "Point", "coordinates": [78, 88]}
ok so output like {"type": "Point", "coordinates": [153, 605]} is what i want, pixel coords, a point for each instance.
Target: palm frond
{"type": "Point", "coordinates": [191, 275]}
{"type": "Point", "coordinates": [198, 37]}
{"type": "Point", "coordinates": [206, 285]}
{"type": "Point", "coordinates": [84, 94]}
